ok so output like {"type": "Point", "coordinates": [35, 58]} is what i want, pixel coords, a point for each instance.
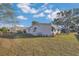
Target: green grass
{"type": "Point", "coordinates": [63, 44]}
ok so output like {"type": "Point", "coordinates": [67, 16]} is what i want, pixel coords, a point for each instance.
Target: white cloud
{"type": "Point", "coordinates": [26, 8]}
{"type": "Point", "coordinates": [45, 5]}
{"type": "Point", "coordinates": [48, 11]}
{"type": "Point", "coordinates": [20, 25]}
{"type": "Point", "coordinates": [53, 14]}
{"type": "Point", "coordinates": [34, 11]}
{"type": "Point", "coordinates": [43, 9]}
{"type": "Point", "coordinates": [39, 15]}
{"type": "Point", "coordinates": [21, 17]}
{"type": "Point", "coordinates": [49, 16]}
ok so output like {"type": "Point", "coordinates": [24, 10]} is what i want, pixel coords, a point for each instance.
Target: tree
{"type": "Point", "coordinates": [70, 18]}
{"type": "Point", "coordinates": [34, 22]}
{"type": "Point", "coordinates": [3, 29]}
{"type": "Point", "coordinates": [7, 14]}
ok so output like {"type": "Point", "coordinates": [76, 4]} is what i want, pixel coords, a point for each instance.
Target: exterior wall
{"type": "Point", "coordinates": [41, 30]}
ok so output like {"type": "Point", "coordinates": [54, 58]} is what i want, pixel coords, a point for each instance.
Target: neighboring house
{"type": "Point", "coordinates": [16, 29]}
{"type": "Point", "coordinates": [44, 29]}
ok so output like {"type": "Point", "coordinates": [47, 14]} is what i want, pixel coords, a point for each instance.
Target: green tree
{"type": "Point", "coordinates": [70, 18]}
{"type": "Point", "coordinates": [7, 14]}
{"type": "Point", "coordinates": [34, 22]}
{"type": "Point", "coordinates": [3, 29]}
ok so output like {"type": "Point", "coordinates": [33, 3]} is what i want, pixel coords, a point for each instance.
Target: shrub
{"type": "Point", "coordinates": [4, 29]}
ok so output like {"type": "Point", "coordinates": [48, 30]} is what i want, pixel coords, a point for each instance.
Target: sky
{"type": "Point", "coordinates": [41, 12]}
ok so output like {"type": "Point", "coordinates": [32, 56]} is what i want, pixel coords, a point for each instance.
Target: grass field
{"type": "Point", "coordinates": [64, 44]}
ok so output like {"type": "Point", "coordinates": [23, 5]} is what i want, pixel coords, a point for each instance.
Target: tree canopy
{"type": "Point", "coordinates": [7, 14]}
{"type": "Point", "coordinates": [70, 18]}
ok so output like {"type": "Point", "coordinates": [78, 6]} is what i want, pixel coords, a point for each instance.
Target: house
{"type": "Point", "coordinates": [44, 29]}
{"type": "Point", "coordinates": [16, 29]}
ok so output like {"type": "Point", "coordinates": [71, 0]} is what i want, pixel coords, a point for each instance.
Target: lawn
{"type": "Point", "coordinates": [63, 44]}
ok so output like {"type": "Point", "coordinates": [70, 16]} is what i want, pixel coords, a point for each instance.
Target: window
{"type": "Point", "coordinates": [52, 29]}
{"type": "Point", "coordinates": [34, 29]}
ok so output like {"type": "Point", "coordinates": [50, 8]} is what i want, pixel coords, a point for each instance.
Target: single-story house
{"type": "Point", "coordinates": [44, 29]}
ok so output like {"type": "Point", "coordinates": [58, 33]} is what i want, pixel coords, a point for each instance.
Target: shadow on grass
{"type": "Point", "coordinates": [22, 35]}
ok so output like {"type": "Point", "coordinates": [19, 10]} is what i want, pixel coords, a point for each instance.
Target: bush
{"type": "Point", "coordinates": [4, 29]}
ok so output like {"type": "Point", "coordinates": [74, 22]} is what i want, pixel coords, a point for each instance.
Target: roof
{"type": "Point", "coordinates": [42, 24]}
{"type": "Point", "coordinates": [46, 24]}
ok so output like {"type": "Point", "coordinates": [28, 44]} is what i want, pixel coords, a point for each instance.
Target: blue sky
{"type": "Point", "coordinates": [26, 13]}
